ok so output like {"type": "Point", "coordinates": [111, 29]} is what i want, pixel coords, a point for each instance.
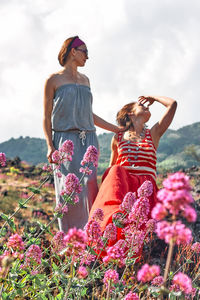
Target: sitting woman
{"type": "Point", "coordinates": [133, 157]}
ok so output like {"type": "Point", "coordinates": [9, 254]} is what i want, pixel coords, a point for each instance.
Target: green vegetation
{"type": "Point", "coordinates": [173, 152]}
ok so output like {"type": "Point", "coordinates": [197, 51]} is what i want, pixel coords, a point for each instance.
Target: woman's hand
{"type": "Point", "coordinates": [146, 99]}
{"type": "Point", "coordinates": [49, 154]}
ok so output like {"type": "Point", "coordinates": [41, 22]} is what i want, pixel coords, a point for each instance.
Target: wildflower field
{"type": "Point", "coordinates": [155, 258]}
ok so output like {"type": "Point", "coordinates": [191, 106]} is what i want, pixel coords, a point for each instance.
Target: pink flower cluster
{"type": "Point", "coordinates": [93, 232]}
{"type": "Point", "coordinates": [47, 168]}
{"type": "Point", "coordinates": [15, 242]}
{"type": "Point", "coordinates": [134, 238]}
{"type": "Point", "coordinates": [98, 215]}
{"type": "Point", "coordinates": [147, 273]}
{"type": "Point", "coordinates": [110, 232]}
{"type": "Point", "coordinates": [175, 231]}
{"type": "Point", "coordinates": [2, 159]}
{"type": "Point", "coordinates": [183, 282]}
{"type": "Point", "coordinates": [196, 247]}
{"type": "Point", "coordinates": [128, 202]}
{"type": "Point", "coordinates": [116, 253]}
{"type": "Point", "coordinates": [82, 272]}
{"type": "Point", "coordinates": [58, 241]}
{"type": "Point", "coordinates": [76, 242]}
{"type": "Point", "coordinates": [72, 187]}
{"type": "Point", "coordinates": [64, 153]}
{"type": "Point", "coordinates": [112, 276]}
{"type": "Point", "coordinates": [60, 209]}
{"type": "Point", "coordinates": [90, 156]}
{"type": "Point", "coordinates": [175, 198]}
{"type": "Point", "coordinates": [33, 255]}
{"type": "Point", "coordinates": [158, 281]}
{"type": "Point", "coordinates": [146, 189]}
{"type": "Point", "coordinates": [139, 212]}
{"type": "Point", "coordinates": [131, 296]}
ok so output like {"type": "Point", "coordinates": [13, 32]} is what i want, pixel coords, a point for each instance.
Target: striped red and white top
{"type": "Point", "coordinates": [138, 157]}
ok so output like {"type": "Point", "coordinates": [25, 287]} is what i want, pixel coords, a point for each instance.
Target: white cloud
{"type": "Point", "coordinates": [135, 47]}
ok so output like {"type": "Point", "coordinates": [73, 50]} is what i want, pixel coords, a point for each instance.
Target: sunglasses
{"type": "Point", "coordinates": [83, 50]}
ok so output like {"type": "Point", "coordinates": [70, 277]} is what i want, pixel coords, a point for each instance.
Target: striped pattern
{"type": "Point", "coordinates": [138, 157]}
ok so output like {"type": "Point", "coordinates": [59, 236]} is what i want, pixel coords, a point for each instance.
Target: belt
{"type": "Point", "coordinates": [82, 133]}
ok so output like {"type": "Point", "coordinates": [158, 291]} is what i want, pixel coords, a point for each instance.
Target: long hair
{"type": "Point", "coordinates": [122, 115]}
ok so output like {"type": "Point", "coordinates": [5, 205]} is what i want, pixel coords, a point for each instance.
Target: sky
{"type": "Point", "coordinates": [136, 47]}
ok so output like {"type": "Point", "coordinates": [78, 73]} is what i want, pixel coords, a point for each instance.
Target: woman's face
{"type": "Point", "coordinates": [81, 55]}
{"type": "Point", "coordinates": [140, 109]}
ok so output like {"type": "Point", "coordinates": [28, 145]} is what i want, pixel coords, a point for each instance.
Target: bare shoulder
{"type": "Point", "coordinates": [51, 79]}
{"type": "Point", "coordinates": [84, 79]}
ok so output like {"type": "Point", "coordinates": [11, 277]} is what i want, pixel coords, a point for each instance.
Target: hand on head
{"type": "Point", "coordinates": [146, 99]}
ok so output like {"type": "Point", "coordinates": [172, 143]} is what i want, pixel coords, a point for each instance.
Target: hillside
{"type": "Point", "coordinates": [171, 151]}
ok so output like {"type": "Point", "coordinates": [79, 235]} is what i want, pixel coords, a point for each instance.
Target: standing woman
{"type": "Point", "coordinates": [68, 116]}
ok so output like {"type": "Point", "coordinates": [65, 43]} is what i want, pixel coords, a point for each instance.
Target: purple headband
{"type": "Point", "coordinates": [76, 43]}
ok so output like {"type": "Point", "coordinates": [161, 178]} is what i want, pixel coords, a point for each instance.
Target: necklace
{"type": "Point", "coordinates": [137, 138]}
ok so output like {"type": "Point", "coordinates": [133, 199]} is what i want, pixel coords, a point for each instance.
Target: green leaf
{"type": "Point", "coordinates": [34, 190]}
{"type": "Point", "coordinates": [21, 205]}
{"type": "Point", "coordinates": [12, 224]}
{"type": "Point", "coordinates": [84, 292]}
{"type": "Point", "coordinates": [4, 217]}
{"type": "Point", "coordinates": [92, 251]}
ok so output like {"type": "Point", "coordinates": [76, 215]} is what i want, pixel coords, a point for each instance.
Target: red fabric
{"type": "Point", "coordinates": [116, 182]}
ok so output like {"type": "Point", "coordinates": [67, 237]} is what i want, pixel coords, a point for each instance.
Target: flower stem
{"type": "Point", "coordinates": [168, 262]}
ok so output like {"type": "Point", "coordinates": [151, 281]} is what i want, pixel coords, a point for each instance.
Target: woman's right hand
{"type": "Point", "coordinates": [49, 154]}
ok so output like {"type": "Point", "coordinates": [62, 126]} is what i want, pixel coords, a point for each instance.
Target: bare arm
{"type": "Point", "coordinates": [104, 124]}
{"type": "Point", "coordinates": [161, 126]}
{"type": "Point", "coordinates": [47, 126]}
{"type": "Point", "coordinates": [114, 151]}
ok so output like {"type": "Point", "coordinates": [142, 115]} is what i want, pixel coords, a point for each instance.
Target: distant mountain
{"type": "Point", "coordinates": [171, 152]}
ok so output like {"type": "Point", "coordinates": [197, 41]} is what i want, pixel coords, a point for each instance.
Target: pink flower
{"type": "Point", "coordinates": [76, 242]}
{"type": "Point", "coordinates": [68, 148]}
{"type": "Point", "coordinates": [110, 232]}
{"type": "Point", "coordinates": [134, 238]}
{"type": "Point", "coordinates": [184, 282]}
{"type": "Point", "coordinates": [90, 156]}
{"type": "Point", "coordinates": [189, 213]}
{"type": "Point", "coordinates": [146, 189]}
{"type": "Point", "coordinates": [85, 171]}
{"type": "Point", "coordinates": [116, 254]}
{"type": "Point", "coordinates": [158, 281]}
{"type": "Point", "coordinates": [56, 157]}
{"type": "Point", "coordinates": [82, 272]}
{"type": "Point", "coordinates": [128, 202]}
{"type": "Point", "coordinates": [131, 296]}
{"type": "Point", "coordinates": [147, 273]}
{"type": "Point", "coordinates": [150, 225]}
{"type": "Point", "coordinates": [15, 242]}
{"type": "Point", "coordinates": [47, 168]}
{"type": "Point", "coordinates": [72, 184]}
{"type": "Point", "coordinates": [93, 230]}
{"type": "Point", "coordinates": [33, 255]}
{"type": "Point", "coordinates": [196, 247]}
{"type": "Point", "coordinates": [159, 212]}
{"type": "Point", "coordinates": [139, 212]}
{"type": "Point", "coordinates": [58, 241]}
{"type": "Point", "coordinates": [98, 214]}
{"type": "Point", "coordinates": [176, 231]}
{"type": "Point", "coordinates": [119, 219]}
{"type": "Point", "coordinates": [112, 276]}
{"type": "Point", "coordinates": [61, 209]}
{"type": "Point", "coordinates": [2, 159]}
{"type": "Point", "coordinates": [177, 181]}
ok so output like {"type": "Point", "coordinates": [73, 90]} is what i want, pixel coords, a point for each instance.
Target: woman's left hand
{"type": "Point", "coordinates": [146, 99]}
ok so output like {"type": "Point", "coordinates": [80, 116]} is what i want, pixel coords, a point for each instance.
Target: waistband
{"type": "Point", "coordinates": [82, 133]}
{"type": "Point", "coordinates": [75, 130]}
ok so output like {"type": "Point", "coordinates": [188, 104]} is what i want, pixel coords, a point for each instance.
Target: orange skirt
{"type": "Point", "coordinates": [116, 182]}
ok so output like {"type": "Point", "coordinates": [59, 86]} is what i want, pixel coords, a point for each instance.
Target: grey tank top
{"type": "Point", "coordinates": [72, 108]}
